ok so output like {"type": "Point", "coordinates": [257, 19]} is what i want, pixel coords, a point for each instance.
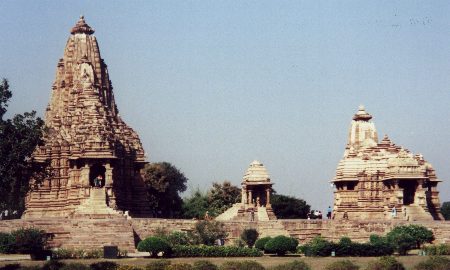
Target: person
{"type": "Point", "coordinates": [320, 214]}
{"type": "Point", "coordinates": [98, 181]}
{"type": "Point", "coordinates": [394, 212]}
{"type": "Point", "coordinates": [308, 216]}
{"type": "Point", "coordinates": [329, 212]}
{"type": "Point", "coordinates": [252, 214]}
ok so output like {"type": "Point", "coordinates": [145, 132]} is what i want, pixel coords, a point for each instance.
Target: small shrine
{"type": "Point", "coordinates": [255, 196]}
{"type": "Point", "coordinates": [381, 180]}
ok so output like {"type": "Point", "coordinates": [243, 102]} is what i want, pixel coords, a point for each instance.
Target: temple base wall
{"type": "Point", "coordinates": [89, 233]}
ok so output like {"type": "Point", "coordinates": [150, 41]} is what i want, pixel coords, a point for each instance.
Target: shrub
{"type": "Point", "coordinates": [442, 249]}
{"type": "Point", "coordinates": [29, 240]}
{"type": "Point", "coordinates": [62, 253]}
{"type": "Point", "coordinates": [434, 263]}
{"type": "Point", "coordinates": [179, 266]}
{"type": "Point", "coordinates": [215, 251]}
{"type": "Point", "coordinates": [204, 265]}
{"type": "Point", "coordinates": [385, 263]}
{"type": "Point", "coordinates": [154, 245]}
{"type": "Point", "coordinates": [342, 265]}
{"type": "Point", "coordinates": [243, 265]}
{"type": "Point", "coordinates": [294, 265]}
{"type": "Point", "coordinates": [75, 266]}
{"type": "Point", "coordinates": [318, 247]}
{"type": "Point", "coordinates": [280, 245]}
{"type": "Point", "coordinates": [53, 265]}
{"type": "Point", "coordinates": [105, 265]}
{"type": "Point", "coordinates": [157, 265]}
{"type": "Point", "coordinates": [6, 243]}
{"type": "Point", "coordinates": [178, 238]}
{"type": "Point", "coordinates": [261, 242]}
{"type": "Point", "coordinates": [401, 241]}
{"type": "Point", "coordinates": [249, 236]}
{"type": "Point", "coordinates": [207, 232]}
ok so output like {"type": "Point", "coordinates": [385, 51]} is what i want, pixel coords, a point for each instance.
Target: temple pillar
{"type": "Point", "coordinates": [108, 175]}
{"type": "Point", "coordinates": [250, 197]}
{"type": "Point", "coordinates": [244, 195]}
{"type": "Point", "coordinates": [268, 205]}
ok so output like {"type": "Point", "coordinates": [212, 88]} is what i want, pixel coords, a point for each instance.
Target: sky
{"type": "Point", "coordinates": [211, 86]}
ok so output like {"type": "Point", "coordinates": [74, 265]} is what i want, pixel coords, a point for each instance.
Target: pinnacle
{"type": "Point", "coordinates": [82, 27]}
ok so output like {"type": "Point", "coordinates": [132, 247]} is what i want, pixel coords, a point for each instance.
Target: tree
{"type": "Point", "coordinates": [19, 137]}
{"type": "Point", "coordinates": [289, 207]}
{"type": "Point", "coordinates": [408, 237]}
{"type": "Point", "coordinates": [445, 210]}
{"type": "Point", "coordinates": [164, 183]}
{"type": "Point", "coordinates": [249, 236]}
{"type": "Point", "coordinates": [222, 196]}
{"type": "Point", "coordinates": [207, 232]}
{"type": "Point", "coordinates": [195, 206]}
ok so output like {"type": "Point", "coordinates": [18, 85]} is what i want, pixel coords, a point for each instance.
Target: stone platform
{"type": "Point", "coordinates": [89, 233]}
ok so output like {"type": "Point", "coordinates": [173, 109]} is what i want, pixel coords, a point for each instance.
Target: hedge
{"type": "Point", "coordinates": [215, 251]}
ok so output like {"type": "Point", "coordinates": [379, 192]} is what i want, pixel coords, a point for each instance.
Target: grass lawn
{"type": "Point", "coordinates": [317, 263]}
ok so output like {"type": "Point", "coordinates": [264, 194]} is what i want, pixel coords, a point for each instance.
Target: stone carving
{"type": "Point", "coordinates": [86, 137]}
{"type": "Point", "coordinates": [373, 178]}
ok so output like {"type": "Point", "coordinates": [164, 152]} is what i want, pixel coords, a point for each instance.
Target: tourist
{"type": "Point", "coordinates": [98, 181]}
{"type": "Point", "coordinates": [329, 212]}
{"type": "Point", "coordinates": [394, 212]}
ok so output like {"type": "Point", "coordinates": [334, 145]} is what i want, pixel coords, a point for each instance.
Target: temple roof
{"type": "Point", "coordinates": [256, 173]}
{"type": "Point", "coordinates": [362, 114]}
{"type": "Point", "coordinates": [82, 27]}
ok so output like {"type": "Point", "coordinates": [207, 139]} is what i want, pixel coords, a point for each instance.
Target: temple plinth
{"type": "Point", "coordinates": [87, 142]}
{"type": "Point", "coordinates": [380, 180]}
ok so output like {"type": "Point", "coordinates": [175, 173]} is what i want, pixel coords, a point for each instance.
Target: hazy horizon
{"type": "Point", "coordinates": [212, 86]}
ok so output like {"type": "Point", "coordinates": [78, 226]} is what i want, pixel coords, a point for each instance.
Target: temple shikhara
{"type": "Point", "coordinates": [255, 196]}
{"type": "Point", "coordinates": [380, 180]}
{"type": "Point", "coordinates": [86, 140]}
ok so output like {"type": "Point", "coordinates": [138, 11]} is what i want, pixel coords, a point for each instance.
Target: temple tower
{"type": "Point", "coordinates": [86, 139]}
{"type": "Point", "coordinates": [380, 180]}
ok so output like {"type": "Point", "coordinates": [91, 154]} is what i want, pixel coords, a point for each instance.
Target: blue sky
{"type": "Point", "coordinates": [212, 85]}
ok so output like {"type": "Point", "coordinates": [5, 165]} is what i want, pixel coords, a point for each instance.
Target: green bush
{"type": "Point", "coordinates": [105, 265]}
{"type": "Point", "coordinates": [157, 265]}
{"type": "Point", "coordinates": [179, 266]}
{"type": "Point", "coordinates": [281, 245]}
{"type": "Point", "coordinates": [243, 265]}
{"type": "Point", "coordinates": [294, 265]}
{"type": "Point", "coordinates": [385, 263]}
{"type": "Point", "coordinates": [29, 240]}
{"type": "Point", "coordinates": [204, 265]}
{"type": "Point", "coordinates": [318, 247]}
{"type": "Point", "coordinates": [342, 265]}
{"type": "Point", "coordinates": [178, 238]}
{"type": "Point", "coordinates": [207, 232]}
{"type": "Point", "coordinates": [249, 236]}
{"type": "Point", "coordinates": [261, 242]}
{"type": "Point", "coordinates": [53, 265]}
{"type": "Point", "coordinates": [62, 253]}
{"type": "Point", "coordinates": [442, 249]}
{"type": "Point", "coordinates": [75, 266]}
{"type": "Point", "coordinates": [434, 263]}
{"type": "Point", "coordinates": [154, 245]}
{"type": "Point", "coordinates": [6, 243]}
{"type": "Point", "coordinates": [215, 251]}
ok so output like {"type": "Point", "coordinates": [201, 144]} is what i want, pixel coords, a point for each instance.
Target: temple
{"type": "Point", "coordinates": [87, 141]}
{"type": "Point", "coordinates": [255, 198]}
{"type": "Point", "coordinates": [380, 180]}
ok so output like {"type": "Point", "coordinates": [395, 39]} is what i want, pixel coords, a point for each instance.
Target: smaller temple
{"type": "Point", "coordinates": [381, 180]}
{"type": "Point", "coordinates": [255, 199]}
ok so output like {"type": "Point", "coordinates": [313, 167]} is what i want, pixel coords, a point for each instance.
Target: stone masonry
{"type": "Point", "coordinates": [86, 139]}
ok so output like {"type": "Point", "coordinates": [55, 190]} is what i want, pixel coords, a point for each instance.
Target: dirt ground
{"type": "Point", "coordinates": [316, 263]}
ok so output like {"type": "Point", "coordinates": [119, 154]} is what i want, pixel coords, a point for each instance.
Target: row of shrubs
{"type": "Point", "coordinates": [383, 263]}
{"type": "Point", "coordinates": [319, 246]}
{"type": "Point", "coordinates": [215, 251]}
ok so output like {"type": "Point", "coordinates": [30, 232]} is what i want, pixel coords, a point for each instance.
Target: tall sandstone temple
{"type": "Point", "coordinates": [87, 139]}
{"type": "Point", "coordinates": [380, 180]}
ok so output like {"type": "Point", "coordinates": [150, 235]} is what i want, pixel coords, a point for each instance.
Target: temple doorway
{"type": "Point", "coordinates": [95, 171]}
{"type": "Point", "coordinates": [409, 192]}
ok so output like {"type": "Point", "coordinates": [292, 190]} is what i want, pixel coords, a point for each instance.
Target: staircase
{"type": "Point", "coordinates": [262, 214]}
{"type": "Point", "coordinates": [416, 213]}
{"type": "Point", "coordinates": [230, 213]}
{"type": "Point", "coordinates": [95, 206]}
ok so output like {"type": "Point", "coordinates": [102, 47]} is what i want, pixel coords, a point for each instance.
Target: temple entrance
{"type": "Point", "coordinates": [409, 191]}
{"type": "Point", "coordinates": [95, 171]}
